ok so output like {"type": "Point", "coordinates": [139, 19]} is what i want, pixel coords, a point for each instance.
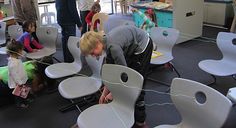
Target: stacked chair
{"type": "Point", "coordinates": [82, 86]}
{"type": "Point", "coordinates": [2, 37]}
{"type": "Point", "coordinates": [60, 70]}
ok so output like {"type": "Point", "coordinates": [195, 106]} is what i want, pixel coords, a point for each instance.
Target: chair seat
{"type": "Point", "coordinates": [60, 70]}
{"type": "Point", "coordinates": [41, 53]}
{"type": "Point", "coordinates": [232, 94]}
{"type": "Point", "coordinates": [166, 57]}
{"type": "Point", "coordinates": [2, 41]}
{"type": "Point", "coordinates": [102, 116]}
{"type": "Point", "coordinates": [3, 50]}
{"type": "Point", "coordinates": [86, 86]}
{"type": "Point", "coordinates": [168, 126]}
{"type": "Point", "coordinates": [218, 67]}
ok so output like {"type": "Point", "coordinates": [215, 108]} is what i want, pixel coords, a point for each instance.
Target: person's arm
{"type": "Point", "coordinates": [37, 44]}
{"type": "Point", "coordinates": [105, 93]}
{"type": "Point", "coordinates": [73, 12]}
{"type": "Point", "coordinates": [147, 20]}
{"type": "Point", "coordinates": [27, 43]}
{"type": "Point", "coordinates": [118, 55]}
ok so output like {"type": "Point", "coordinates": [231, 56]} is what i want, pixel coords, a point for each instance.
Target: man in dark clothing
{"type": "Point", "coordinates": [67, 18]}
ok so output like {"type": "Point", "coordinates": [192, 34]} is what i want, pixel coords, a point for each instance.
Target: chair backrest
{"type": "Point", "coordinates": [2, 32]}
{"type": "Point", "coordinates": [125, 85]}
{"type": "Point", "coordinates": [226, 42]}
{"type": "Point", "coordinates": [47, 17]}
{"type": "Point", "coordinates": [95, 65]}
{"type": "Point", "coordinates": [15, 31]}
{"type": "Point", "coordinates": [115, 22]}
{"type": "Point", "coordinates": [47, 36]}
{"type": "Point", "coordinates": [164, 38]}
{"type": "Point", "coordinates": [234, 7]}
{"type": "Point", "coordinates": [74, 49]}
{"type": "Point", "coordinates": [102, 17]}
{"type": "Point", "coordinates": [200, 106]}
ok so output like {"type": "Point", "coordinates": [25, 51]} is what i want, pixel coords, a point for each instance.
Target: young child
{"type": "Point", "coordinates": [148, 19]}
{"type": "Point", "coordinates": [96, 8]}
{"type": "Point", "coordinates": [30, 44]}
{"type": "Point", "coordinates": [16, 72]}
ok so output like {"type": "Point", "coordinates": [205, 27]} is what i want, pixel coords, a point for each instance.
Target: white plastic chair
{"type": "Point", "coordinates": [3, 37]}
{"type": "Point", "coordinates": [79, 86]}
{"type": "Point", "coordinates": [60, 70]}
{"type": "Point", "coordinates": [233, 25]}
{"type": "Point", "coordinates": [102, 17]}
{"type": "Point", "coordinates": [165, 39]}
{"type": "Point", "coordinates": [2, 33]}
{"type": "Point", "coordinates": [115, 22]}
{"type": "Point", "coordinates": [120, 112]}
{"type": "Point", "coordinates": [232, 94]}
{"type": "Point", "coordinates": [3, 50]}
{"type": "Point", "coordinates": [225, 66]}
{"type": "Point", "coordinates": [200, 106]}
{"type": "Point", "coordinates": [47, 37]}
{"type": "Point", "coordinates": [15, 31]}
{"type": "Point", "coordinates": [48, 18]}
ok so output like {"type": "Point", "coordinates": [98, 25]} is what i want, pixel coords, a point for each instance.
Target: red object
{"type": "Point", "coordinates": [89, 18]}
{"type": "Point", "coordinates": [21, 91]}
{"type": "Point", "coordinates": [34, 42]}
{"type": "Point", "coordinates": [150, 11]}
{"type": "Point", "coordinates": [1, 15]}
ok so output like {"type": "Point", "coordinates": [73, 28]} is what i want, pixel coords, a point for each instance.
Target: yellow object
{"type": "Point", "coordinates": [156, 54]}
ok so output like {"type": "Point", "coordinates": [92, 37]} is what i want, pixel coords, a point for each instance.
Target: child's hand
{"type": "Point", "coordinates": [80, 28]}
{"type": "Point", "coordinates": [108, 98]}
{"type": "Point", "coordinates": [35, 50]}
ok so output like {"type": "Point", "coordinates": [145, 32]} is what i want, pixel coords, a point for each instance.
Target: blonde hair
{"type": "Point", "coordinates": [89, 41]}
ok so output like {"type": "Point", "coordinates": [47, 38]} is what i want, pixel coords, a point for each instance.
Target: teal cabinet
{"type": "Point", "coordinates": [164, 19]}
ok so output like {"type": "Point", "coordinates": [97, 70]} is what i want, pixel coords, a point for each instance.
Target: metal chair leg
{"type": "Point", "coordinates": [56, 59]}
{"type": "Point", "coordinates": [175, 69]}
{"type": "Point", "coordinates": [164, 83]}
{"type": "Point", "coordinates": [214, 80]}
{"type": "Point", "coordinates": [79, 103]}
{"type": "Point", "coordinates": [73, 104]}
{"type": "Point", "coordinates": [234, 76]}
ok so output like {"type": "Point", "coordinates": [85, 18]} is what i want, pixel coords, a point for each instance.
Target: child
{"type": "Point", "coordinates": [16, 72]}
{"type": "Point", "coordinates": [148, 19]}
{"type": "Point", "coordinates": [96, 8]}
{"type": "Point", "coordinates": [30, 44]}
